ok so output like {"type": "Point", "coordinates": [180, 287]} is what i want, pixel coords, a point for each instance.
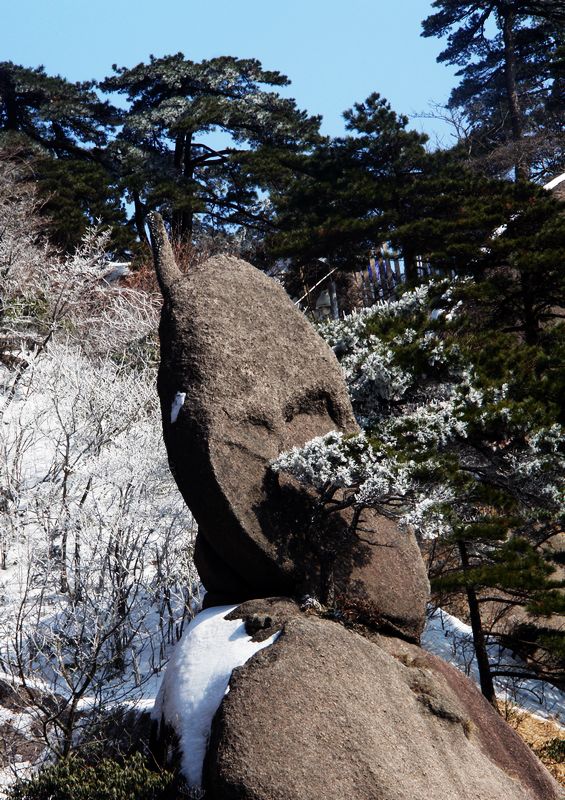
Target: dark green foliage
{"type": "Point", "coordinates": [554, 750]}
{"type": "Point", "coordinates": [350, 193]}
{"type": "Point", "coordinates": [510, 565]}
{"type": "Point", "coordinates": [556, 101]}
{"type": "Point", "coordinates": [167, 160]}
{"type": "Point", "coordinates": [510, 238]}
{"type": "Point", "coordinates": [523, 268]}
{"type": "Point", "coordinates": [500, 519]}
{"type": "Point", "coordinates": [501, 463]}
{"type": "Point", "coordinates": [74, 779]}
{"type": "Point", "coordinates": [77, 193]}
{"type": "Point", "coordinates": [552, 602]}
{"type": "Point", "coordinates": [379, 184]}
{"type": "Point", "coordinates": [59, 116]}
{"type": "Point", "coordinates": [62, 130]}
{"type": "Point", "coordinates": [509, 61]}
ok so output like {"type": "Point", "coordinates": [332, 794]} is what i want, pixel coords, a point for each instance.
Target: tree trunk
{"type": "Point", "coordinates": [178, 161]}
{"type": "Point", "coordinates": [139, 218]}
{"type": "Point", "coordinates": [65, 532]}
{"type": "Point", "coordinates": [530, 318]}
{"type": "Point", "coordinates": [410, 267]}
{"type": "Point", "coordinates": [188, 175]}
{"type": "Point", "coordinates": [521, 168]}
{"type": "Point", "coordinates": [178, 157]}
{"type": "Point", "coordinates": [333, 301]}
{"type": "Point", "coordinates": [485, 677]}
{"type": "Point", "coordinates": [182, 220]}
{"type": "Point", "coordinates": [327, 588]}
{"type": "Point", "coordinates": [8, 93]}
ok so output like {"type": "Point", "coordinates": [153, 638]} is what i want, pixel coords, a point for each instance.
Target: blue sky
{"type": "Point", "coordinates": [335, 53]}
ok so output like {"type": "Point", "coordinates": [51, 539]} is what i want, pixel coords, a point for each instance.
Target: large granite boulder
{"type": "Point", "coordinates": [327, 713]}
{"type": "Point", "coordinates": [243, 377]}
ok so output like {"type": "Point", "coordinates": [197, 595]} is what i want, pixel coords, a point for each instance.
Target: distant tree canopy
{"type": "Point", "coordinates": [215, 148]}
{"type": "Point", "coordinates": [510, 57]}
{"type": "Point", "coordinates": [62, 129]}
{"type": "Point", "coordinates": [91, 158]}
{"type": "Point", "coordinates": [166, 158]}
{"type": "Point", "coordinates": [61, 117]}
{"type": "Point", "coordinates": [379, 184]}
{"type": "Point", "coordinates": [351, 192]}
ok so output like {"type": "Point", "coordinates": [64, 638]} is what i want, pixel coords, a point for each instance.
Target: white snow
{"type": "Point", "coordinates": [20, 721]}
{"type": "Point", "coordinates": [178, 403]}
{"type": "Point", "coordinates": [450, 639]}
{"type": "Point", "coordinates": [92, 427]}
{"type": "Point", "coordinates": [197, 678]}
{"type": "Point", "coordinates": [502, 228]}
{"type": "Point", "coordinates": [555, 182]}
{"type": "Point", "coordinates": [16, 770]}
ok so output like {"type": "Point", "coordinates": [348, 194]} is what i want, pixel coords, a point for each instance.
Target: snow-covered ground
{"type": "Point", "coordinates": [96, 576]}
{"type": "Point", "coordinates": [555, 182]}
{"type": "Point", "coordinates": [448, 637]}
{"type": "Point", "coordinates": [18, 770]}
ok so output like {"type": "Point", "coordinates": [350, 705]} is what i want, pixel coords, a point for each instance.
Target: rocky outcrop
{"type": "Point", "coordinates": [321, 711]}
{"type": "Point", "coordinates": [243, 377]}
{"type": "Point", "coordinates": [326, 713]}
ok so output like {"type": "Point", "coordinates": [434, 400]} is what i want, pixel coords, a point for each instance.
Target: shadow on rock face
{"type": "Point", "coordinates": [244, 377]}
{"type": "Point", "coordinates": [358, 562]}
{"type": "Point", "coordinates": [320, 542]}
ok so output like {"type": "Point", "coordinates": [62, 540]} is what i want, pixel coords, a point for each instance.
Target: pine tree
{"type": "Point", "coordinates": [77, 193]}
{"type": "Point", "coordinates": [349, 194]}
{"type": "Point", "coordinates": [509, 237]}
{"type": "Point", "coordinates": [167, 161]}
{"type": "Point", "coordinates": [379, 185]}
{"type": "Point", "coordinates": [60, 117]}
{"type": "Point", "coordinates": [507, 79]}
{"type": "Point", "coordinates": [62, 130]}
{"type": "Point", "coordinates": [463, 441]}
{"type": "Point", "coordinates": [522, 269]}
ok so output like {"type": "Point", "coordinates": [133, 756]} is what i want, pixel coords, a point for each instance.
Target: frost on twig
{"type": "Point", "coordinates": [427, 422]}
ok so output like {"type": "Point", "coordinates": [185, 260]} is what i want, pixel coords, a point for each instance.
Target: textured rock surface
{"type": "Point", "coordinates": [243, 377]}
{"type": "Point", "coordinates": [326, 713]}
{"type": "Point", "coordinates": [265, 617]}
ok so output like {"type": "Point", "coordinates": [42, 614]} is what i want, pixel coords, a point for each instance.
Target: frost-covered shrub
{"type": "Point", "coordinates": [440, 432]}
{"type": "Point", "coordinates": [106, 318]}
{"type": "Point", "coordinates": [96, 571]}
{"type": "Point", "coordinates": [462, 442]}
{"type": "Point", "coordinates": [45, 295]}
{"type": "Point", "coordinates": [23, 254]}
{"type": "Point", "coordinates": [97, 543]}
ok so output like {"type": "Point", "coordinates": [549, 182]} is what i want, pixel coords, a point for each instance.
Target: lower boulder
{"type": "Point", "coordinates": [327, 713]}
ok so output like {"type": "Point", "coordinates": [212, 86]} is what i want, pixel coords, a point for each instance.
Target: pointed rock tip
{"type": "Point", "coordinates": [166, 266]}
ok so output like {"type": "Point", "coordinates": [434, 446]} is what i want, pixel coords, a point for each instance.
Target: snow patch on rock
{"type": "Point", "coordinates": [178, 403]}
{"type": "Point", "coordinates": [197, 678]}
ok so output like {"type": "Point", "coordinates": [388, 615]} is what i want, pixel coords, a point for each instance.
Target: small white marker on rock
{"type": "Point", "coordinates": [178, 403]}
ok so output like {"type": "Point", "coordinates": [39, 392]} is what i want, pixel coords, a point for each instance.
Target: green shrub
{"type": "Point", "coordinates": [554, 750]}
{"type": "Point", "coordinates": [74, 779]}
